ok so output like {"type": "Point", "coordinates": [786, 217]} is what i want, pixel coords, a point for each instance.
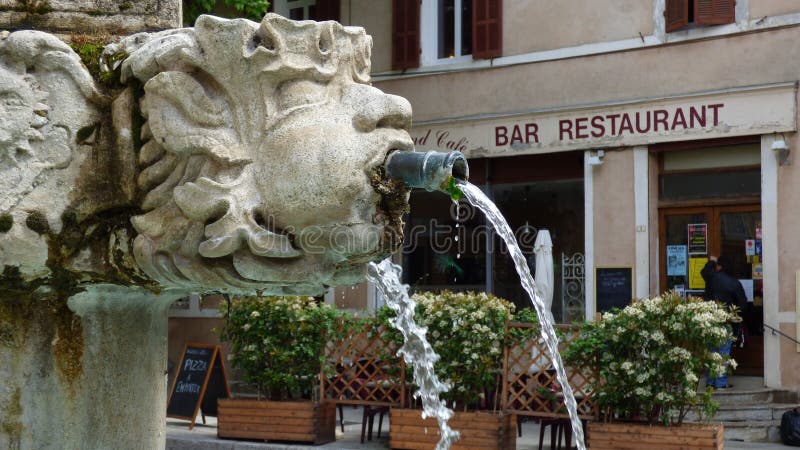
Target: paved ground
{"type": "Point", "coordinates": [204, 437]}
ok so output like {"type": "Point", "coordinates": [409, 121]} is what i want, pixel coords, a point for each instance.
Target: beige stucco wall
{"type": "Point", "coordinates": [535, 25]}
{"type": "Point", "coordinates": [351, 297]}
{"type": "Point", "coordinates": [652, 227]}
{"type": "Point", "coordinates": [761, 8]}
{"type": "Point", "coordinates": [183, 331]}
{"type": "Point", "coordinates": [788, 262]}
{"type": "Point", "coordinates": [614, 216]}
{"type": "Point", "coordinates": [657, 71]}
{"type": "Point", "coordinates": [788, 226]}
{"type": "Point", "coordinates": [376, 17]}
{"type": "Point", "coordinates": [790, 359]}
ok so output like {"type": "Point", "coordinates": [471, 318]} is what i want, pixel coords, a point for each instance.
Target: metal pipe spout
{"type": "Point", "coordinates": [432, 171]}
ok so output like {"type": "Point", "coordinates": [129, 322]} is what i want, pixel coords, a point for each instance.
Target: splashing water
{"type": "Point", "coordinates": [478, 199]}
{"type": "Point", "coordinates": [416, 350]}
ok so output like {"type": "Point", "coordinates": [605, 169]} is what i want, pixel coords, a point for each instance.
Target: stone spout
{"type": "Point", "coordinates": [431, 171]}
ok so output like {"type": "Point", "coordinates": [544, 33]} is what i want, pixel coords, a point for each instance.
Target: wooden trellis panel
{"type": "Point", "coordinates": [363, 368]}
{"type": "Point", "coordinates": [530, 387]}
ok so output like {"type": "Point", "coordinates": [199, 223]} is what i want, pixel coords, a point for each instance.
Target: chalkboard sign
{"type": "Point", "coordinates": [613, 287]}
{"type": "Point", "coordinates": [200, 381]}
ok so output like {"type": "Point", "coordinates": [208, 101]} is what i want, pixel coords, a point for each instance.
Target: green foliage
{"type": "Point", "coordinates": [90, 49]}
{"type": "Point", "coordinates": [453, 190]}
{"type": "Point", "coordinates": [649, 355]}
{"type": "Point", "coordinates": [278, 342]}
{"type": "Point", "coordinates": [250, 9]}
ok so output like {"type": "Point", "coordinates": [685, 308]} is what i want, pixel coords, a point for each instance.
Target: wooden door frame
{"type": "Point", "coordinates": [713, 219]}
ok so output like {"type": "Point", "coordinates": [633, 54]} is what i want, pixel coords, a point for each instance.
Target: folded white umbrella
{"type": "Point", "coordinates": [543, 249]}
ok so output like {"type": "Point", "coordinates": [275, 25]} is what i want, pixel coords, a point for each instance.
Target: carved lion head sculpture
{"type": "Point", "coordinates": [261, 156]}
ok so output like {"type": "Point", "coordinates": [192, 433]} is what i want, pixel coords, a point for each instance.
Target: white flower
{"type": "Point", "coordinates": [246, 327]}
{"type": "Point", "coordinates": [255, 314]}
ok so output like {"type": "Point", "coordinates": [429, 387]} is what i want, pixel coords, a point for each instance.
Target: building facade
{"type": "Point", "coordinates": [646, 136]}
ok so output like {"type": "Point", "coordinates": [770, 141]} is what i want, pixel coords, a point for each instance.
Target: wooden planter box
{"type": "Point", "coordinates": [299, 421]}
{"type": "Point", "coordinates": [622, 436]}
{"type": "Point", "coordinates": [486, 430]}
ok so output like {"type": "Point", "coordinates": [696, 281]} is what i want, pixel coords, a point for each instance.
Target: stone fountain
{"type": "Point", "coordinates": [230, 157]}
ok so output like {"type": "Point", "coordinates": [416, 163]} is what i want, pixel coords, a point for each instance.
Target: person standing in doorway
{"type": "Point", "coordinates": [723, 287]}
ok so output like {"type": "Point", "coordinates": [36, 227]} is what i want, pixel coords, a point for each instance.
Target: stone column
{"type": "Point", "coordinates": [89, 374]}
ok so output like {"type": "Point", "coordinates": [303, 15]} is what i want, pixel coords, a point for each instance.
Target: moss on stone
{"type": "Point", "coordinates": [394, 203]}
{"type": "Point", "coordinates": [124, 6]}
{"type": "Point", "coordinates": [35, 6]}
{"type": "Point", "coordinates": [11, 424]}
{"type": "Point", "coordinates": [6, 222]}
{"type": "Point", "coordinates": [90, 48]}
{"type": "Point", "coordinates": [37, 222]}
{"type": "Point", "coordinates": [68, 342]}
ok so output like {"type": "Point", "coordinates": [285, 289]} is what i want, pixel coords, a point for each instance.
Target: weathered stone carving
{"type": "Point", "coordinates": [46, 98]}
{"type": "Point", "coordinates": [257, 156]}
{"type": "Point", "coordinates": [260, 144]}
{"type": "Point", "coordinates": [232, 156]}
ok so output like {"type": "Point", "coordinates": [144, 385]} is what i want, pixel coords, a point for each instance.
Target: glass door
{"type": "Point", "coordinates": [688, 236]}
{"type": "Point", "coordinates": [677, 255]}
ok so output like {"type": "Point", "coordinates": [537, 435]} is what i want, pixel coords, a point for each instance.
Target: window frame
{"type": "Point", "coordinates": [429, 35]}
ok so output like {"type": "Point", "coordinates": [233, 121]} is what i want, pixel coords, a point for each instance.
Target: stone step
{"type": "Point", "coordinates": [748, 412]}
{"type": "Point", "coordinates": [755, 431]}
{"type": "Point", "coordinates": [743, 397]}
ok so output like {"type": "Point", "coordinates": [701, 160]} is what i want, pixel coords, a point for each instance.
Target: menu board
{"type": "Point", "coordinates": [201, 380]}
{"type": "Point", "coordinates": [613, 287]}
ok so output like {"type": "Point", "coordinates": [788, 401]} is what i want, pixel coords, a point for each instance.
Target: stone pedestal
{"type": "Point", "coordinates": [88, 374]}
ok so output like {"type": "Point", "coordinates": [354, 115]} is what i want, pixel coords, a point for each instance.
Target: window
{"type": "Point", "coordinates": [309, 9]}
{"type": "Point", "coordinates": [444, 31]}
{"type": "Point", "coordinates": [454, 28]}
{"type": "Point", "coordinates": [680, 13]}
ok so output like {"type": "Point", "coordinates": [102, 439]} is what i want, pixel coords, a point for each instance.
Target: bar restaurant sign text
{"type": "Point", "coordinates": [747, 111]}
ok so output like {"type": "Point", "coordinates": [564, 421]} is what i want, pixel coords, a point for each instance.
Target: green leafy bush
{"type": "Point", "coordinates": [277, 342]}
{"type": "Point", "coordinates": [649, 357]}
{"type": "Point", "coordinates": [250, 9]}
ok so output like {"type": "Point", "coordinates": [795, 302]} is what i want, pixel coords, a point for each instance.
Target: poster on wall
{"type": "Point", "coordinates": [697, 238]}
{"type": "Point", "coordinates": [676, 260]}
{"type": "Point", "coordinates": [750, 247]}
{"type": "Point", "coordinates": [696, 281]}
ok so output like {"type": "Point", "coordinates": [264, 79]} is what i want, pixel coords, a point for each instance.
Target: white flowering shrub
{"type": "Point", "coordinates": [649, 356]}
{"type": "Point", "coordinates": [468, 332]}
{"type": "Point", "coordinates": [277, 342]}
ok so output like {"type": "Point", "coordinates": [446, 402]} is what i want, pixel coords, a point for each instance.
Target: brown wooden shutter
{"type": "Point", "coordinates": [405, 34]}
{"type": "Point", "coordinates": [487, 29]}
{"type": "Point", "coordinates": [714, 12]}
{"type": "Point", "coordinates": [676, 14]}
{"type": "Point", "coordinates": [325, 10]}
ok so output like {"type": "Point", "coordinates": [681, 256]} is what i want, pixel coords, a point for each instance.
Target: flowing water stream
{"type": "Point", "coordinates": [420, 355]}
{"type": "Point", "coordinates": [478, 199]}
{"type": "Point", "coordinates": [416, 350]}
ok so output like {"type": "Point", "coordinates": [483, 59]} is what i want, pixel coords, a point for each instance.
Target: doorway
{"type": "Point", "coordinates": [689, 235]}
